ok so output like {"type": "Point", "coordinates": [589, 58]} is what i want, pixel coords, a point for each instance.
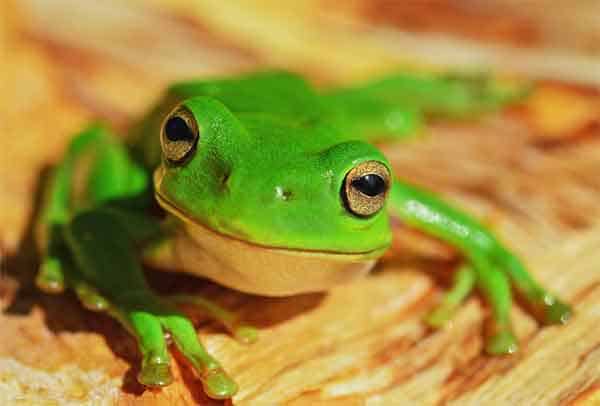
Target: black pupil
{"type": "Point", "coordinates": [370, 184]}
{"type": "Point", "coordinates": [176, 129]}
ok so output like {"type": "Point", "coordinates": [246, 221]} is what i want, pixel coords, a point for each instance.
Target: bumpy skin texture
{"type": "Point", "coordinates": [269, 168]}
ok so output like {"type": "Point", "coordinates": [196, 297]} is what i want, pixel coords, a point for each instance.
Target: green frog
{"type": "Point", "coordinates": [269, 186]}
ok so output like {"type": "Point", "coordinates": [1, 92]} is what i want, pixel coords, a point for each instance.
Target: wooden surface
{"type": "Point", "coordinates": [531, 174]}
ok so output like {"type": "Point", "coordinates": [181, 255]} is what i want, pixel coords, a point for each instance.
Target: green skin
{"type": "Point", "coordinates": [262, 134]}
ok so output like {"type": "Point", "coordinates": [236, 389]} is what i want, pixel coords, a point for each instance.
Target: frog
{"type": "Point", "coordinates": [269, 185]}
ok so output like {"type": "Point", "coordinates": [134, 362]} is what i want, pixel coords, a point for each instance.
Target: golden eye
{"type": "Point", "coordinates": [179, 135]}
{"type": "Point", "coordinates": [365, 188]}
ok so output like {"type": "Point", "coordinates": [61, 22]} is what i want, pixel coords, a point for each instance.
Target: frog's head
{"type": "Point", "coordinates": [284, 204]}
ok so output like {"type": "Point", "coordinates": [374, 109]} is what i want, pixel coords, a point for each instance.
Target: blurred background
{"type": "Point", "coordinates": [531, 172]}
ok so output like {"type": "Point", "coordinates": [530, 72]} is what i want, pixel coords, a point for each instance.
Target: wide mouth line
{"type": "Point", "coordinates": [171, 208]}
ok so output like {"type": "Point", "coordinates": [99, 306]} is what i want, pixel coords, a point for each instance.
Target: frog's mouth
{"type": "Point", "coordinates": [264, 270]}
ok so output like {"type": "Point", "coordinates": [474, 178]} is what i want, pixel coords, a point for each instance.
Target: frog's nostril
{"type": "Point", "coordinates": [283, 194]}
{"type": "Point", "coordinates": [225, 179]}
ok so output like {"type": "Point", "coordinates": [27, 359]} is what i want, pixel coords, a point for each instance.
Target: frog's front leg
{"type": "Point", "coordinates": [107, 273]}
{"type": "Point", "coordinates": [491, 266]}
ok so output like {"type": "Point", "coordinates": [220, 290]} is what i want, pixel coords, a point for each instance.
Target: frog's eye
{"type": "Point", "coordinates": [179, 135]}
{"type": "Point", "coordinates": [365, 188]}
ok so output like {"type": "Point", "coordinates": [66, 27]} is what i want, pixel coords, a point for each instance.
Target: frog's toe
{"type": "Point", "coordinates": [463, 284]}
{"type": "Point", "coordinates": [245, 334]}
{"type": "Point", "coordinates": [554, 311]}
{"type": "Point", "coordinates": [501, 343]}
{"type": "Point", "coordinates": [155, 372]}
{"type": "Point", "coordinates": [218, 385]}
{"type": "Point", "coordinates": [90, 298]}
{"type": "Point", "coordinates": [440, 315]}
{"type": "Point", "coordinates": [50, 277]}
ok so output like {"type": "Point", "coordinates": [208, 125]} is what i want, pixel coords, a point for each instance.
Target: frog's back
{"type": "Point", "coordinates": [279, 93]}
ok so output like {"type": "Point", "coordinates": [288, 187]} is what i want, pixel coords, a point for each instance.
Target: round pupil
{"type": "Point", "coordinates": [369, 184]}
{"type": "Point", "coordinates": [176, 129]}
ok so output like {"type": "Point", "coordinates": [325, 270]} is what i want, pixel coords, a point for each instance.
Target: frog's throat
{"type": "Point", "coordinates": [263, 270]}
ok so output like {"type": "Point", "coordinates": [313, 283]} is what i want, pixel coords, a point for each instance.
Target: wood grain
{"type": "Point", "coordinates": [66, 62]}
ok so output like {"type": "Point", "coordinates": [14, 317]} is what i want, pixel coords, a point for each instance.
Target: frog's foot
{"type": "Point", "coordinates": [501, 342]}
{"type": "Point", "coordinates": [243, 333]}
{"type": "Point", "coordinates": [155, 371]}
{"type": "Point", "coordinates": [155, 368]}
{"type": "Point", "coordinates": [124, 294]}
{"type": "Point", "coordinates": [148, 317]}
{"type": "Point", "coordinates": [442, 314]}
{"type": "Point", "coordinates": [495, 288]}
{"type": "Point", "coordinates": [548, 309]}
{"type": "Point", "coordinates": [56, 274]}
{"type": "Point", "coordinates": [89, 296]}
{"type": "Point", "coordinates": [463, 284]}
{"type": "Point", "coordinates": [545, 306]}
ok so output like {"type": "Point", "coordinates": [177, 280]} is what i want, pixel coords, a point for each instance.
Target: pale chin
{"type": "Point", "coordinates": [261, 270]}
